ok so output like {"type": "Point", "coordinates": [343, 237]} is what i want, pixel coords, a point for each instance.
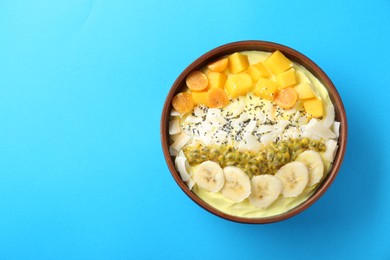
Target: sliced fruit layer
{"type": "Point", "coordinates": [294, 177]}
{"type": "Point", "coordinates": [314, 164]}
{"type": "Point", "coordinates": [251, 127]}
{"type": "Point", "coordinates": [265, 190]}
{"type": "Point", "coordinates": [237, 184]}
{"type": "Point", "coordinates": [209, 176]}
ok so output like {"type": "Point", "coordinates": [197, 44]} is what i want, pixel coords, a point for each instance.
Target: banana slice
{"type": "Point", "coordinates": [265, 190]}
{"type": "Point", "coordinates": [294, 177]}
{"type": "Point", "coordinates": [314, 164]}
{"type": "Point", "coordinates": [209, 176]}
{"type": "Point", "coordinates": [237, 184]}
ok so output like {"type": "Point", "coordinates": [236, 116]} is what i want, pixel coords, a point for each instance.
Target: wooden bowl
{"type": "Point", "coordinates": [292, 55]}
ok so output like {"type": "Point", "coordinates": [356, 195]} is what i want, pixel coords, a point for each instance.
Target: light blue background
{"type": "Point", "coordinates": [82, 86]}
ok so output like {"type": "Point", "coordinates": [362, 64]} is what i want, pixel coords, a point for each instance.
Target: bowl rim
{"type": "Point", "coordinates": [292, 54]}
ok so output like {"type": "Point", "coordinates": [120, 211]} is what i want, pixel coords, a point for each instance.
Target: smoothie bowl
{"type": "Point", "coordinates": [253, 132]}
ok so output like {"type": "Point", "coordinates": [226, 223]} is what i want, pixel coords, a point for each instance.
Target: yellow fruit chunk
{"type": "Point", "coordinates": [238, 84]}
{"type": "Point", "coordinates": [199, 97]}
{"type": "Point", "coordinates": [286, 98]}
{"type": "Point", "coordinates": [286, 79]}
{"type": "Point", "coordinates": [238, 62]}
{"type": "Point", "coordinates": [219, 65]}
{"type": "Point", "coordinates": [216, 79]}
{"type": "Point", "coordinates": [253, 72]}
{"type": "Point", "coordinates": [304, 91]}
{"type": "Point", "coordinates": [277, 63]}
{"type": "Point", "coordinates": [264, 72]}
{"type": "Point", "coordinates": [183, 102]}
{"type": "Point", "coordinates": [265, 88]}
{"type": "Point", "coordinates": [314, 108]}
{"type": "Point", "coordinates": [258, 70]}
{"type": "Point", "coordinates": [197, 81]}
{"type": "Point", "coordinates": [216, 98]}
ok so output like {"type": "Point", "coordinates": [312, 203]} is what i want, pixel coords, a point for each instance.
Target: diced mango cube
{"type": "Point", "coordinates": [238, 84]}
{"type": "Point", "coordinates": [265, 88]}
{"type": "Point", "coordinates": [264, 72]}
{"type": "Point", "coordinates": [304, 90]}
{"type": "Point", "coordinates": [286, 79]}
{"type": "Point", "coordinates": [238, 63]}
{"type": "Point", "coordinates": [278, 63]}
{"type": "Point", "coordinates": [216, 79]}
{"type": "Point", "coordinates": [314, 108]}
{"type": "Point", "coordinates": [219, 65]}
{"type": "Point", "coordinates": [199, 97]}
{"type": "Point", "coordinates": [258, 70]}
{"type": "Point", "coordinates": [253, 72]}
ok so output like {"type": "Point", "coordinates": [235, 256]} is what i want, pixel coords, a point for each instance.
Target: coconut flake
{"type": "Point", "coordinates": [281, 125]}
{"type": "Point", "coordinates": [237, 123]}
{"type": "Point", "coordinates": [260, 117]}
{"type": "Point", "coordinates": [250, 127]}
{"type": "Point", "coordinates": [297, 116]}
{"type": "Point", "coordinates": [265, 129]}
{"type": "Point", "coordinates": [182, 165]}
{"type": "Point", "coordinates": [267, 138]}
{"type": "Point", "coordinates": [235, 108]}
{"type": "Point", "coordinates": [269, 111]}
{"type": "Point", "coordinates": [181, 140]}
{"type": "Point", "coordinates": [220, 137]}
{"type": "Point", "coordinates": [214, 116]}
{"type": "Point", "coordinates": [174, 126]}
{"type": "Point", "coordinates": [289, 112]}
{"type": "Point", "coordinates": [190, 183]}
{"type": "Point", "coordinates": [193, 119]}
{"type": "Point", "coordinates": [249, 143]}
{"type": "Point", "coordinates": [317, 128]}
{"type": "Point", "coordinates": [292, 132]}
{"type": "Point", "coordinates": [329, 117]}
{"type": "Point", "coordinates": [336, 128]}
{"type": "Point", "coordinates": [200, 110]}
{"type": "Point", "coordinates": [175, 113]}
{"type": "Point", "coordinates": [331, 147]}
{"type": "Point", "coordinates": [302, 120]}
